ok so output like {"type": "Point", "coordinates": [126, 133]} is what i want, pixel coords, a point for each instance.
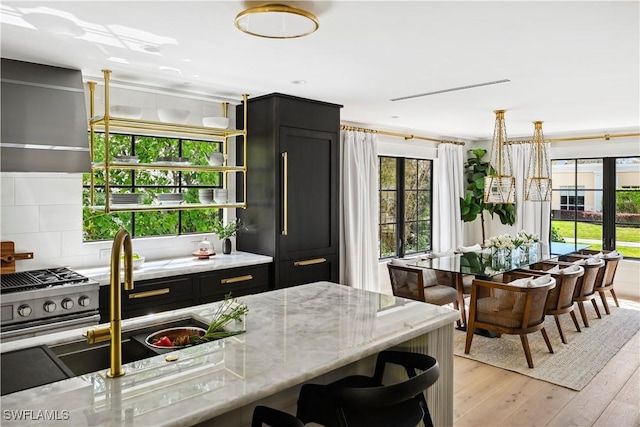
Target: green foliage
{"type": "Point", "coordinates": [627, 201]}
{"type": "Point", "coordinates": [472, 204]}
{"type": "Point", "coordinates": [226, 231]}
{"type": "Point", "coordinates": [555, 236]}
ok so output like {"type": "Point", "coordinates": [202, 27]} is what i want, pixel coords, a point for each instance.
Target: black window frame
{"type": "Point", "coordinates": [609, 195]}
{"type": "Point", "coordinates": [400, 218]}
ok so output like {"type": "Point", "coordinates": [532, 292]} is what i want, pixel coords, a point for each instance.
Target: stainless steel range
{"type": "Point", "coordinates": [43, 301]}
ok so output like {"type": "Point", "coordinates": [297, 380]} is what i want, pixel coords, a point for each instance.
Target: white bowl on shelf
{"type": "Point", "coordinates": [173, 115]}
{"type": "Point", "coordinates": [220, 196]}
{"type": "Point", "coordinates": [216, 122]}
{"type": "Point", "coordinates": [125, 112]}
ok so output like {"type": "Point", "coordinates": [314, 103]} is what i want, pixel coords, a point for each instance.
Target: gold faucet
{"type": "Point", "coordinates": [114, 331]}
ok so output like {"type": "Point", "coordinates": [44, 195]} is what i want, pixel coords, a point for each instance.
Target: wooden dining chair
{"type": "Point", "coordinates": [408, 282]}
{"type": "Point", "coordinates": [511, 309]}
{"type": "Point", "coordinates": [560, 299]}
{"type": "Point", "coordinates": [586, 287]}
{"type": "Point", "coordinates": [605, 280]}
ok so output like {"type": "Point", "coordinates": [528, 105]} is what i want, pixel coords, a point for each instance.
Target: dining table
{"type": "Point", "coordinates": [487, 263]}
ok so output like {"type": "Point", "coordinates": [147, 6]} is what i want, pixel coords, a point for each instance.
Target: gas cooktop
{"type": "Point", "coordinates": [37, 279]}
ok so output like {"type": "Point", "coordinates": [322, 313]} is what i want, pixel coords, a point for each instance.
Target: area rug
{"type": "Point", "coordinates": [573, 364]}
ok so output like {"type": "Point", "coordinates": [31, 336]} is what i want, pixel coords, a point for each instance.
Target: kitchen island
{"type": "Point", "coordinates": [309, 333]}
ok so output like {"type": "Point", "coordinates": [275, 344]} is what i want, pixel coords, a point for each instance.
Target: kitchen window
{"type": "Point", "coordinates": [100, 226]}
{"type": "Point", "coordinates": [405, 192]}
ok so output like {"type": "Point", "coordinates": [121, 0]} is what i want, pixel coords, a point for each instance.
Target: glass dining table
{"type": "Point", "coordinates": [486, 264]}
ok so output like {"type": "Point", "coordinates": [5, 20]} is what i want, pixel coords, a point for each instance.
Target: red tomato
{"type": "Point", "coordinates": [164, 342]}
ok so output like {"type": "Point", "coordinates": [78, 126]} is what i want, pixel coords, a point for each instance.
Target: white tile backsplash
{"type": "Point", "coordinates": [19, 219]}
{"type": "Point", "coordinates": [54, 190]}
{"type": "Point", "coordinates": [6, 190]}
{"type": "Point", "coordinates": [60, 217]}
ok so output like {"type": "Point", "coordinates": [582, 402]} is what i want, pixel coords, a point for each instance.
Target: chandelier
{"type": "Point", "coordinates": [499, 184]}
{"type": "Point", "coordinates": [537, 187]}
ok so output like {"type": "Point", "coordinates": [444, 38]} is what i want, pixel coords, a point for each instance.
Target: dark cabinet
{"type": "Point", "coordinates": [292, 186]}
{"type": "Point", "coordinates": [215, 285]}
{"type": "Point", "coordinates": [174, 292]}
{"type": "Point", "coordinates": [151, 296]}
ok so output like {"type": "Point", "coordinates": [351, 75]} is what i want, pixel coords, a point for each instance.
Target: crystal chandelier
{"type": "Point", "coordinates": [499, 184]}
{"type": "Point", "coordinates": [537, 187]}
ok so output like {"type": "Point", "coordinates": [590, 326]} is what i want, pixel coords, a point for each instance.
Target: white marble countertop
{"type": "Point", "coordinates": [177, 266]}
{"type": "Point", "coordinates": [293, 335]}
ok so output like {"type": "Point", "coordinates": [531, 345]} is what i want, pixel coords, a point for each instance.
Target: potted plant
{"type": "Point", "coordinates": [225, 232]}
{"type": "Point", "coordinates": [473, 203]}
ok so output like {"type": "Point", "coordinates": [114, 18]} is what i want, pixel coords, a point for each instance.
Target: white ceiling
{"type": "Point", "coordinates": [575, 65]}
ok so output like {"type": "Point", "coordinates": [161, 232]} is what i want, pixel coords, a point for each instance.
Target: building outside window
{"type": "Point", "coordinates": [405, 187]}
{"type": "Point", "coordinates": [597, 202]}
{"type": "Point", "coordinates": [571, 198]}
{"type": "Point", "coordinates": [148, 182]}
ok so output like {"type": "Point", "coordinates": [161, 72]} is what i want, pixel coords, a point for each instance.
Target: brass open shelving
{"type": "Point", "coordinates": [110, 124]}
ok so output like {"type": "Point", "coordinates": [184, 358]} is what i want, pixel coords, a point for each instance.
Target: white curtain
{"type": "Point", "coordinates": [450, 181]}
{"type": "Point", "coordinates": [530, 216]}
{"type": "Point", "coordinates": [359, 213]}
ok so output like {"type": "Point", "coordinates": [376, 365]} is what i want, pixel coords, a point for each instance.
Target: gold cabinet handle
{"type": "Point", "coordinates": [310, 262]}
{"type": "Point", "coordinates": [237, 279]}
{"type": "Point", "coordinates": [146, 294]}
{"type": "Point", "coordinates": [285, 197]}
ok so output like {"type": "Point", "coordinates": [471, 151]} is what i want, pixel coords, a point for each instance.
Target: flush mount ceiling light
{"type": "Point", "coordinates": [276, 21]}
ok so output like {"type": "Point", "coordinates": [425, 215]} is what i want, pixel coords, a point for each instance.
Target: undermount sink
{"type": "Point", "coordinates": [83, 358]}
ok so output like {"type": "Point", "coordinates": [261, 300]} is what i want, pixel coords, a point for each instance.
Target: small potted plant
{"type": "Point", "coordinates": [225, 232]}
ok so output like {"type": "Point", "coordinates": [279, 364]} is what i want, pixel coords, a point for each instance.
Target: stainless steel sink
{"type": "Point", "coordinates": [82, 358]}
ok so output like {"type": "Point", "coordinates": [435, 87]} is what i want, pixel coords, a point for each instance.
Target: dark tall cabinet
{"type": "Point", "coordinates": [292, 186]}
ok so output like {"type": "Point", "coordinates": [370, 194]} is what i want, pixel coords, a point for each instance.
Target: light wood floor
{"type": "Point", "coordinates": [488, 396]}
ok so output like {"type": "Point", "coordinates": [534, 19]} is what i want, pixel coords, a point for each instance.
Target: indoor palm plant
{"type": "Point", "coordinates": [225, 232]}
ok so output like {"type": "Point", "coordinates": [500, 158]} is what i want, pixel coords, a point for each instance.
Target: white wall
{"type": "Point", "coordinates": [42, 212]}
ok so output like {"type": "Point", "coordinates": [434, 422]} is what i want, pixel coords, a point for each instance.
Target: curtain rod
{"type": "Point", "coordinates": [606, 136]}
{"type": "Point", "coordinates": [406, 136]}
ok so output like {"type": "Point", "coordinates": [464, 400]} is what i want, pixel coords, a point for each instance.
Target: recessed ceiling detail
{"type": "Point", "coordinates": [495, 82]}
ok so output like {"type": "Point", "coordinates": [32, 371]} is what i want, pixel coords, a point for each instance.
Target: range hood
{"type": "Point", "coordinates": [44, 119]}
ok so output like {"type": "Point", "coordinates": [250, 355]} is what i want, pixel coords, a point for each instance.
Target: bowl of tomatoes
{"type": "Point", "coordinates": [175, 338]}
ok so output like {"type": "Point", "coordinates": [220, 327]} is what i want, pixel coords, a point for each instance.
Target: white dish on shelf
{"type": "Point", "coordinates": [125, 112]}
{"type": "Point", "coordinates": [173, 115]}
{"type": "Point", "coordinates": [216, 122]}
{"type": "Point", "coordinates": [126, 198]}
{"type": "Point", "coordinates": [127, 159]}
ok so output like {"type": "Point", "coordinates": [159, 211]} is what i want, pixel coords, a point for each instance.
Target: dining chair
{"type": "Point", "coordinates": [560, 299]}
{"type": "Point", "coordinates": [516, 308]}
{"type": "Point", "coordinates": [605, 280]}
{"type": "Point", "coordinates": [408, 282]}
{"type": "Point", "coordinates": [586, 286]}
{"type": "Point", "coordinates": [363, 401]}
{"type": "Point", "coordinates": [264, 415]}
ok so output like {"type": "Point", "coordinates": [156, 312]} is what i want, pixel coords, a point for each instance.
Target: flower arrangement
{"type": "Point", "coordinates": [503, 241]}
{"type": "Point", "coordinates": [527, 239]}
